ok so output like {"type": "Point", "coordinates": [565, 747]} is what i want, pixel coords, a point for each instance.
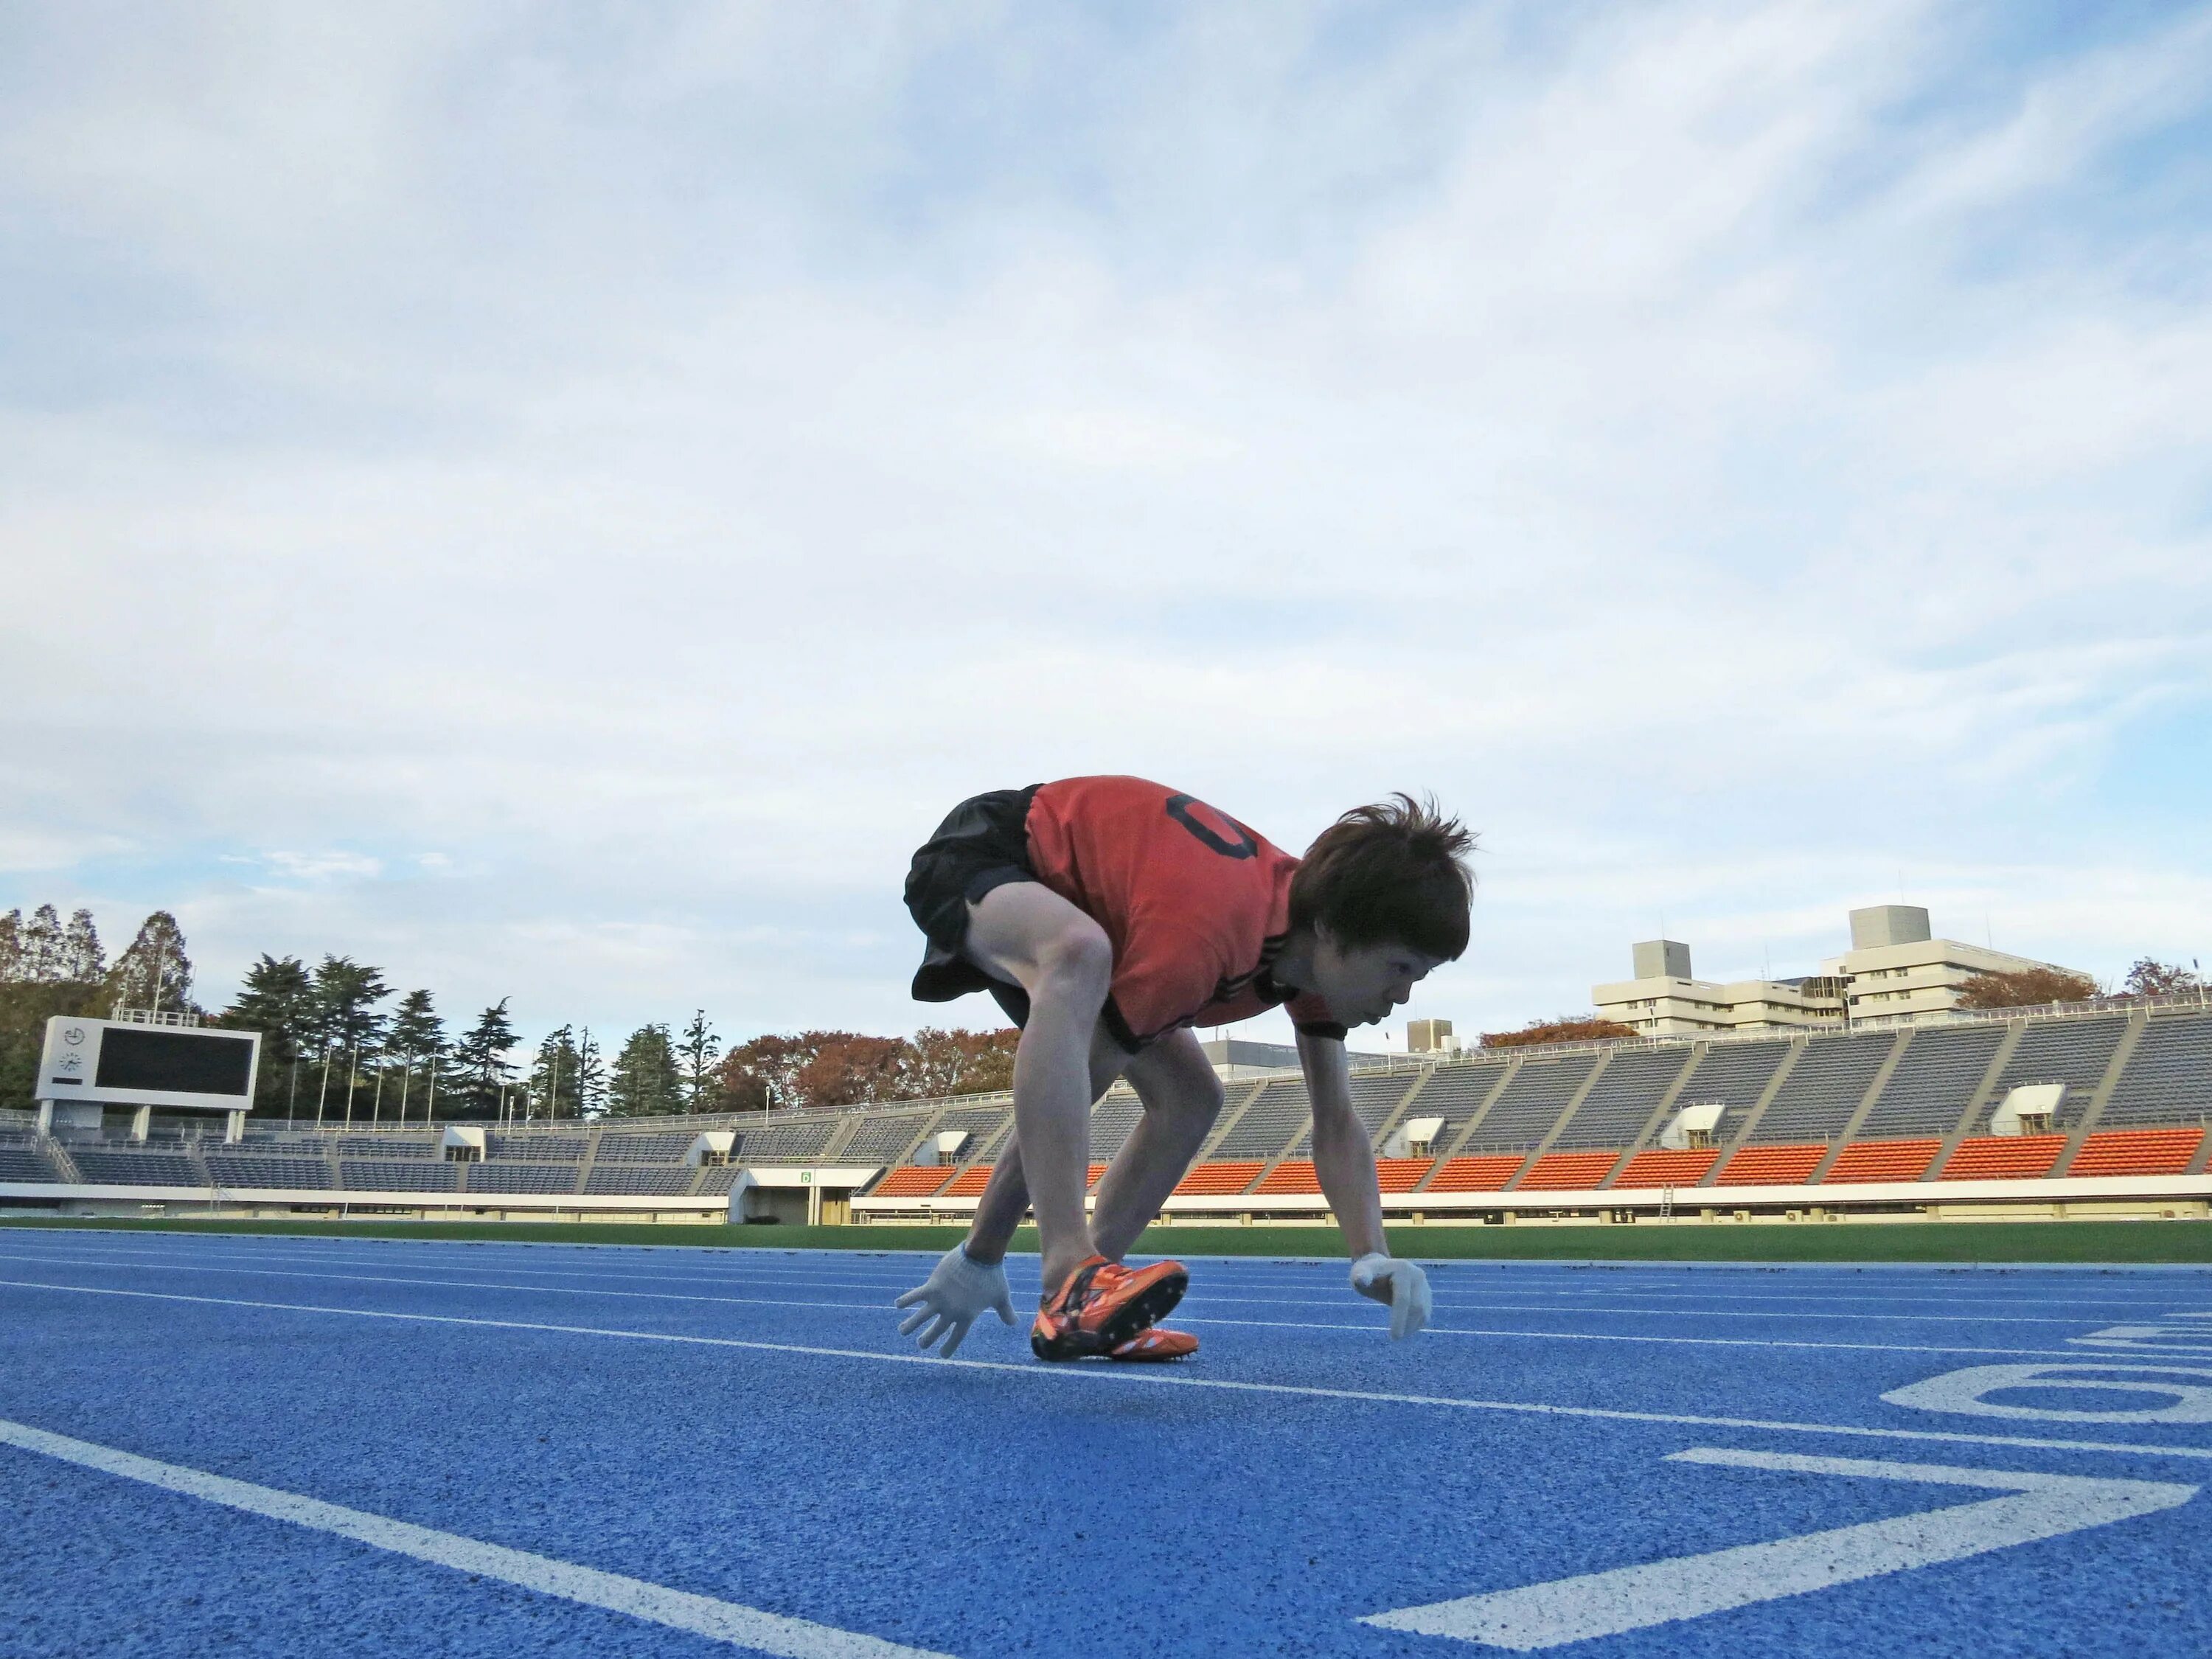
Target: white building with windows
{"type": "Point", "coordinates": [1894, 968]}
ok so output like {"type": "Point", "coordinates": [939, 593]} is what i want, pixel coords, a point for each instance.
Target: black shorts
{"type": "Point", "coordinates": [983, 844]}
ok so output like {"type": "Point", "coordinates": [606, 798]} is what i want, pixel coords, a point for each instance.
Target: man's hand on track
{"type": "Point", "coordinates": [953, 1297]}
{"type": "Point", "coordinates": [1400, 1285]}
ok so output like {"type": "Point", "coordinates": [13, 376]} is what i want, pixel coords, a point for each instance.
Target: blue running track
{"type": "Point", "coordinates": [255, 1445]}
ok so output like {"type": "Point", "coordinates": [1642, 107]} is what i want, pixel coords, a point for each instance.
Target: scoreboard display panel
{"type": "Point", "coordinates": [118, 1063]}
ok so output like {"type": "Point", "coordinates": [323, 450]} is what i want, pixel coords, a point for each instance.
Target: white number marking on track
{"type": "Point", "coordinates": [1576, 1609]}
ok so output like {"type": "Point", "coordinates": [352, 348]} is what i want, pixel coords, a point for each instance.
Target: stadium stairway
{"type": "Point", "coordinates": [2123, 1052]}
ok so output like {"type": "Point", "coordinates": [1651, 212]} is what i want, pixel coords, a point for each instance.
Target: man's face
{"type": "Point", "coordinates": [1365, 983]}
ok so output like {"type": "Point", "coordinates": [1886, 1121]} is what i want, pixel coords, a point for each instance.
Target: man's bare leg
{"type": "Point", "coordinates": [1006, 1199]}
{"type": "Point", "coordinates": [1026, 934]}
{"type": "Point", "coordinates": [1183, 1097]}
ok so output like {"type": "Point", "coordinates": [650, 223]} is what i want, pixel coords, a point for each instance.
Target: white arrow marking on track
{"type": "Point", "coordinates": [1595, 1604]}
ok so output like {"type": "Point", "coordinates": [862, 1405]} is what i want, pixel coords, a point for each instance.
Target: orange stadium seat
{"type": "Point", "coordinates": [1092, 1180]}
{"type": "Point", "coordinates": [1218, 1180]}
{"type": "Point", "coordinates": [971, 1182]}
{"type": "Point", "coordinates": [1883, 1160]}
{"type": "Point", "coordinates": [1477, 1174]}
{"type": "Point", "coordinates": [913, 1180]}
{"type": "Point", "coordinates": [2137, 1151]}
{"type": "Point", "coordinates": [1557, 1172]}
{"type": "Point", "coordinates": [1668, 1168]}
{"type": "Point", "coordinates": [2003, 1157]}
{"type": "Point", "coordinates": [1402, 1175]}
{"type": "Point", "coordinates": [1293, 1175]}
{"type": "Point", "coordinates": [1772, 1166]}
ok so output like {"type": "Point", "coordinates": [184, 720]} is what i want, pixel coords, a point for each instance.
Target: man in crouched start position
{"type": "Point", "coordinates": [1109, 916]}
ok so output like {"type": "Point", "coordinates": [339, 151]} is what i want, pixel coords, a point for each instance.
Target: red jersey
{"type": "Point", "coordinates": [1197, 906]}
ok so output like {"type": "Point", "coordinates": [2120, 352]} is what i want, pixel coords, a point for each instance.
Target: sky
{"type": "Point", "coordinates": [556, 500]}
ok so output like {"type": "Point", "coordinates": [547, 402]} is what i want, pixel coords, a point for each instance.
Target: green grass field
{"type": "Point", "coordinates": [2078, 1242]}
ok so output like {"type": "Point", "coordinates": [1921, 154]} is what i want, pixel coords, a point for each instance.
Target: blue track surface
{"type": "Point", "coordinates": [798, 1463]}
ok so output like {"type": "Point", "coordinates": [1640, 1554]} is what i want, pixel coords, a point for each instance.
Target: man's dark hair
{"type": "Point", "coordinates": [1392, 874]}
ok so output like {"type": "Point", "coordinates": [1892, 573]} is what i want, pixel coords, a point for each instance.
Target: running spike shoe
{"type": "Point", "coordinates": [1102, 1305]}
{"type": "Point", "coordinates": [1155, 1346]}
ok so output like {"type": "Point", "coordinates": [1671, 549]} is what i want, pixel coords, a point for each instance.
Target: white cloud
{"type": "Point", "coordinates": [619, 481]}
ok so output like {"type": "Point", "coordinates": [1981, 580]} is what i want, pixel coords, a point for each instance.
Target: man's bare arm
{"type": "Point", "coordinates": [1342, 1158]}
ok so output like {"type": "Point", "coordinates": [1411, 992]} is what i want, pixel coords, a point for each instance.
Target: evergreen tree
{"type": "Point", "coordinates": [417, 1038]}
{"type": "Point", "coordinates": [278, 1000]}
{"type": "Point", "coordinates": [699, 1050]}
{"type": "Point", "coordinates": [481, 1068]}
{"type": "Point", "coordinates": [590, 1077]}
{"type": "Point", "coordinates": [154, 973]}
{"type": "Point", "coordinates": [82, 961]}
{"type": "Point", "coordinates": [647, 1081]}
{"type": "Point", "coordinates": [555, 1076]}
{"type": "Point", "coordinates": [11, 947]}
{"type": "Point", "coordinates": [345, 1024]}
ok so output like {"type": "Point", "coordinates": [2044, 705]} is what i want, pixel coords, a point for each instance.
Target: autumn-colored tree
{"type": "Point", "coordinates": [2150, 977]}
{"type": "Point", "coordinates": [1568, 1028]}
{"type": "Point", "coordinates": [961, 1062]}
{"type": "Point", "coordinates": [2031, 987]}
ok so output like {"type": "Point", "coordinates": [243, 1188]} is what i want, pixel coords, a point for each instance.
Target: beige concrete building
{"type": "Point", "coordinates": [1666, 999]}
{"type": "Point", "coordinates": [1894, 968]}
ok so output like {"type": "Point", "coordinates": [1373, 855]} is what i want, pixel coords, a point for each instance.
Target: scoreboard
{"type": "Point", "coordinates": [108, 1062]}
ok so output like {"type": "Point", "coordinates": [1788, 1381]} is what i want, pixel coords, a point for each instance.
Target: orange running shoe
{"type": "Point", "coordinates": [1102, 1305]}
{"type": "Point", "coordinates": [1156, 1345]}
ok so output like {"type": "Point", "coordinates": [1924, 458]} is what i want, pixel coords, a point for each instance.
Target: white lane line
{"type": "Point", "coordinates": [1136, 1377]}
{"type": "Point", "coordinates": [657, 1604]}
{"type": "Point", "coordinates": [1591, 1605]}
{"type": "Point", "coordinates": [1184, 1318]}
{"type": "Point", "coordinates": [793, 1273]}
{"type": "Point", "coordinates": [1208, 1298]}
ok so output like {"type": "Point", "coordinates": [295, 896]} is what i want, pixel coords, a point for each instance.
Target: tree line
{"type": "Point", "coordinates": [342, 1045]}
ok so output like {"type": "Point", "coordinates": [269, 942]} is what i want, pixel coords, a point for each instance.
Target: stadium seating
{"type": "Point", "coordinates": [1772, 1166]}
{"type": "Point", "coordinates": [970, 1181]}
{"type": "Point", "coordinates": [1455, 1093]}
{"type": "Point", "coordinates": [915, 1180]}
{"type": "Point", "coordinates": [1111, 1122]}
{"type": "Point", "coordinates": [541, 1148]}
{"type": "Point", "coordinates": [505, 1176]}
{"type": "Point", "coordinates": [23, 1161]}
{"type": "Point", "coordinates": [1735, 1074]}
{"type": "Point", "coordinates": [2073, 1052]}
{"type": "Point", "coordinates": [402, 1175]}
{"type": "Point", "coordinates": [1218, 1179]}
{"type": "Point", "coordinates": [267, 1170]}
{"type": "Point", "coordinates": [1622, 1099]}
{"type": "Point", "coordinates": [1883, 1160]}
{"type": "Point", "coordinates": [1941, 1069]}
{"type": "Point", "coordinates": [1816, 1100]}
{"type": "Point", "coordinates": [1293, 1175]}
{"type": "Point", "coordinates": [386, 1146]}
{"type": "Point", "coordinates": [1568, 1171]}
{"type": "Point", "coordinates": [1090, 1180]}
{"type": "Point", "coordinates": [2002, 1157]}
{"type": "Point", "coordinates": [884, 1140]}
{"type": "Point", "coordinates": [2137, 1151]}
{"type": "Point", "coordinates": [2168, 1077]}
{"type": "Point", "coordinates": [1375, 1096]}
{"type": "Point", "coordinates": [645, 1180]}
{"type": "Point", "coordinates": [1477, 1174]}
{"type": "Point", "coordinates": [109, 1166]}
{"type": "Point", "coordinates": [1684, 1168]}
{"type": "Point", "coordinates": [1528, 1106]}
{"type": "Point", "coordinates": [1402, 1175]}
{"type": "Point", "coordinates": [633, 1146]}
{"type": "Point", "coordinates": [785, 1143]}
{"type": "Point", "coordinates": [1267, 1127]}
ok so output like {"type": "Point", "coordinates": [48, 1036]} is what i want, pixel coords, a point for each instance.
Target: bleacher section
{"type": "Point", "coordinates": [2168, 1078]}
{"type": "Point", "coordinates": [138, 1168]}
{"type": "Point", "coordinates": [1927, 1092]}
{"type": "Point", "coordinates": [1622, 1099]}
{"type": "Point", "coordinates": [1532, 1133]}
{"type": "Point", "coordinates": [267, 1171]}
{"type": "Point", "coordinates": [1531, 1104]}
{"type": "Point", "coordinates": [1734, 1075]}
{"type": "Point", "coordinates": [1816, 1100]}
{"type": "Point", "coordinates": [2073, 1052]}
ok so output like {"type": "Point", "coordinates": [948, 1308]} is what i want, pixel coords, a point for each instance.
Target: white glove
{"type": "Point", "coordinates": [950, 1300]}
{"type": "Point", "coordinates": [1402, 1285]}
